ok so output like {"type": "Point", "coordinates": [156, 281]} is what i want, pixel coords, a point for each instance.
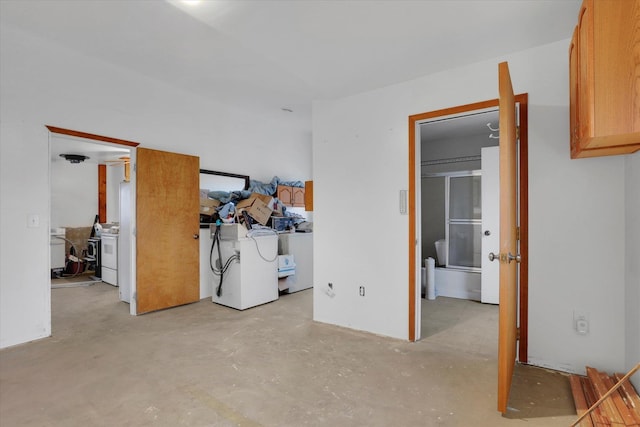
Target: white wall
{"type": "Point", "coordinates": [576, 211]}
{"type": "Point", "coordinates": [74, 194]}
{"type": "Point", "coordinates": [42, 83]}
{"type": "Point", "coordinates": [25, 309]}
{"type": "Point", "coordinates": [632, 298]}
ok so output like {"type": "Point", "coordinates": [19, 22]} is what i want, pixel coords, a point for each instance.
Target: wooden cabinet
{"type": "Point", "coordinates": [604, 79]}
{"type": "Point", "coordinates": [297, 197]}
{"type": "Point", "coordinates": [308, 196]}
{"type": "Point", "coordinates": [291, 196]}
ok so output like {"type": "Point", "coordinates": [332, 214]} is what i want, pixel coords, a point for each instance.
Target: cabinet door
{"type": "Point", "coordinates": [574, 94]}
{"type": "Point", "coordinates": [297, 199]}
{"type": "Point", "coordinates": [585, 101]}
{"type": "Point", "coordinates": [308, 196]}
{"type": "Point", "coordinates": [604, 85]}
{"type": "Point", "coordinates": [285, 194]}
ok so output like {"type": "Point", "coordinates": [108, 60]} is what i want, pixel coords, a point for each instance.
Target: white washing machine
{"type": "Point", "coordinates": [251, 281]}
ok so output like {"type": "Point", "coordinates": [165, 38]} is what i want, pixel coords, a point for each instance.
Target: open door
{"type": "Point", "coordinates": [508, 258]}
{"type": "Point", "coordinates": [167, 230]}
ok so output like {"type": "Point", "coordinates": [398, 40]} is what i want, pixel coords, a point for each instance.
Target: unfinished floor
{"type": "Point", "coordinates": [208, 365]}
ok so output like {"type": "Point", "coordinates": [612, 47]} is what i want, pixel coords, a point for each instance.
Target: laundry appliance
{"type": "Point", "coordinates": [245, 268]}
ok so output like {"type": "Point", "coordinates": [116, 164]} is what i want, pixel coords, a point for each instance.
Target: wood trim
{"type": "Point", "coordinates": [522, 100]}
{"type": "Point", "coordinates": [412, 225]}
{"type": "Point", "coordinates": [523, 211]}
{"type": "Point", "coordinates": [102, 193]}
{"type": "Point", "coordinates": [91, 136]}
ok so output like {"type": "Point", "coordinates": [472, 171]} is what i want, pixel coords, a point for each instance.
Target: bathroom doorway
{"type": "Point", "coordinates": [451, 177]}
{"type": "Point", "coordinates": [441, 162]}
{"type": "Point", "coordinates": [453, 221]}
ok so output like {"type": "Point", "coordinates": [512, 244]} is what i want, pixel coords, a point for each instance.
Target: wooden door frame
{"type": "Point", "coordinates": [523, 211]}
{"type": "Point", "coordinates": [102, 190]}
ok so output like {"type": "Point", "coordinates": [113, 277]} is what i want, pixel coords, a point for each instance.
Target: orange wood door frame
{"type": "Point", "coordinates": [102, 193]}
{"type": "Point", "coordinates": [522, 101]}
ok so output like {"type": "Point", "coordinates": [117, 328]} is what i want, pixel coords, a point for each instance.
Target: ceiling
{"type": "Point", "coordinates": [98, 153]}
{"type": "Point", "coordinates": [268, 55]}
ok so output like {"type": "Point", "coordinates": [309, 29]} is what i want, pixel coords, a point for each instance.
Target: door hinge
{"type": "Point", "coordinates": [517, 233]}
{"type": "Point", "coordinates": [518, 133]}
{"type": "Point", "coordinates": [517, 334]}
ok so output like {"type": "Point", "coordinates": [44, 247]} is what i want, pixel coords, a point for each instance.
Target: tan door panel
{"type": "Point", "coordinates": [167, 229]}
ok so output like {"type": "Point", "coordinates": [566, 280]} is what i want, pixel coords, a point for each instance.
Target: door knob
{"type": "Point", "coordinates": [487, 233]}
{"type": "Point", "coordinates": [510, 257]}
{"type": "Point", "coordinates": [196, 236]}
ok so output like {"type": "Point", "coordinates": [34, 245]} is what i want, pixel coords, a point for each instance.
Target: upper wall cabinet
{"type": "Point", "coordinates": [604, 78]}
{"type": "Point", "coordinates": [291, 196]}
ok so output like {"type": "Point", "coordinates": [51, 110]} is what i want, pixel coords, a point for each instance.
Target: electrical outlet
{"type": "Point", "coordinates": [581, 322]}
{"type": "Point", "coordinates": [361, 291]}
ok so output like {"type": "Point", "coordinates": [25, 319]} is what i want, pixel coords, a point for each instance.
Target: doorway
{"type": "Point", "coordinates": [86, 175]}
{"type": "Point", "coordinates": [453, 158]}
{"type": "Point", "coordinates": [416, 221]}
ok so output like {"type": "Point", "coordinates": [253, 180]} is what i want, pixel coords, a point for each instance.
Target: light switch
{"type": "Point", "coordinates": [33, 221]}
{"type": "Point", "coordinates": [403, 202]}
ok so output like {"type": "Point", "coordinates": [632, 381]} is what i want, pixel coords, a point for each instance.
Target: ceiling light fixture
{"type": "Point", "coordinates": [74, 158]}
{"type": "Point", "coordinates": [191, 2]}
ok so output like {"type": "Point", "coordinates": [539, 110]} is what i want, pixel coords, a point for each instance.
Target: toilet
{"type": "Point", "coordinates": [441, 252]}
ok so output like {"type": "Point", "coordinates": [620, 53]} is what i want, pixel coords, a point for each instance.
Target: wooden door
{"type": "Point", "coordinates": [507, 327]}
{"type": "Point", "coordinates": [167, 229]}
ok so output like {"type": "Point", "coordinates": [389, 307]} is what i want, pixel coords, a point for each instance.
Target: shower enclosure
{"type": "Point", "coordinates": [463, 212]}
{"type": "Point", "coordinates": [452, 211]}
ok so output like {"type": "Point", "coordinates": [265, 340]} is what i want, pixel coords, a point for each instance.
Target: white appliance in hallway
{"type": "Point", "coordinates": [57, 244]}
{"type": "Point", "coordinates": [300, 245]}
{"type": "Point", "coordinates": [109, 260]}
{"type": "Point", "coordinates": [252, 279]}
{"type": "Point", "coordinates": [124, 243]}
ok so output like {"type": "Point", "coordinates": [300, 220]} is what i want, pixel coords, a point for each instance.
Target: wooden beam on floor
{"type": "Point", "coordinates": [616, 405]}
{"type": "Point", "coordinates": [630, 396]}
{"type": "Point", "coordinates": [580, 400]}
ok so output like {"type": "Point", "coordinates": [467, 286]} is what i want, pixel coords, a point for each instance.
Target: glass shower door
{"type": "Point", "coordinates": [464, 221]}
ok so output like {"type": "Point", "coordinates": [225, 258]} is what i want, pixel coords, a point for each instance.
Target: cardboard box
{"type": "Point", "coordinates": [257, 206]}
{"type": "Point", "coordinates": [286, 266]}
{"type": "Point", "coordinates": [208, 206]}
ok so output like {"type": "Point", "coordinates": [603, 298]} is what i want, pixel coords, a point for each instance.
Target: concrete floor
{"type": "Point", "coordinates": [208, 365]}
